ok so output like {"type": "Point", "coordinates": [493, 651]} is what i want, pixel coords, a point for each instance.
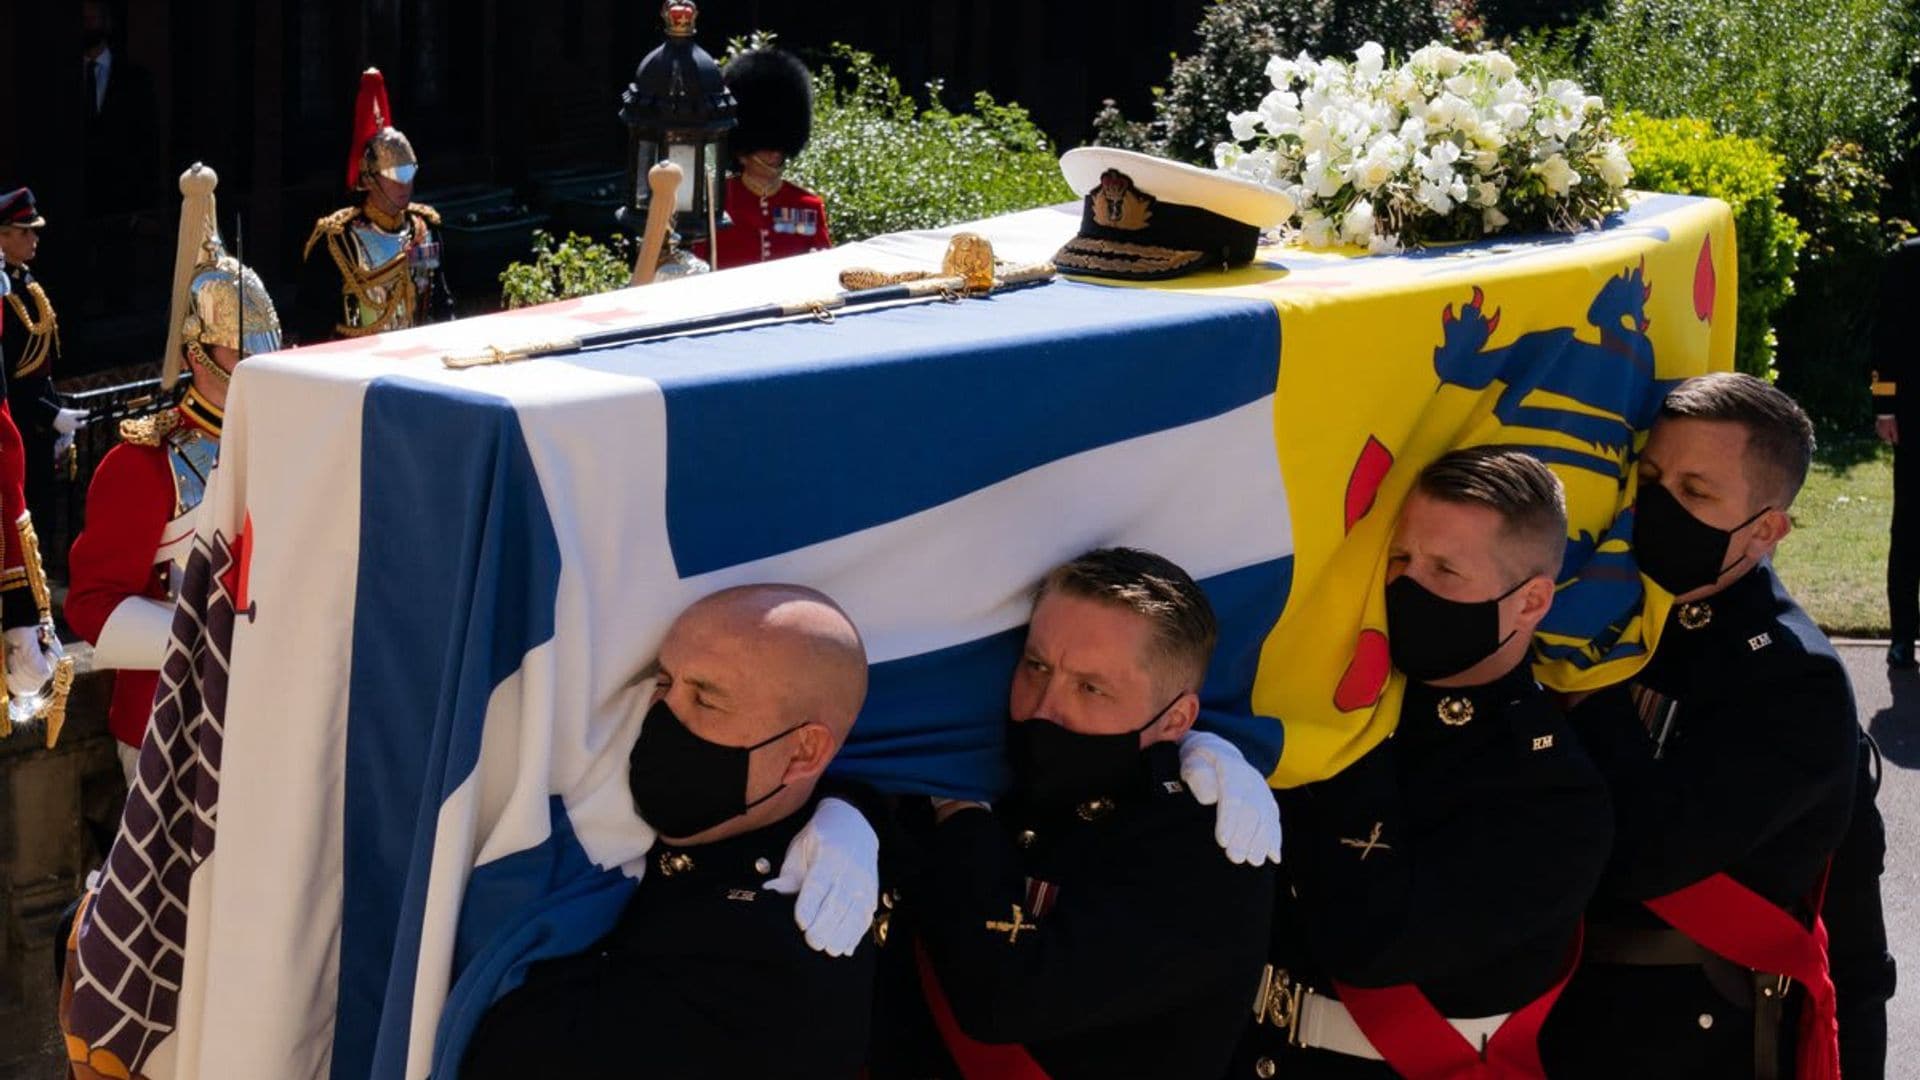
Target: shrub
{"type": "Point", "coordinates": [1794, 73]}
{"type": "Point", "coordinates": [882, 163]}
{"type": "Point", "coordinates": [1237, 38]}
{"type": "Point", "coordinates": [579, 266]}
{"type": "Point", "coordinates": [1824, 330]}
{"type": "Point", "coordinates": [1685, 156]}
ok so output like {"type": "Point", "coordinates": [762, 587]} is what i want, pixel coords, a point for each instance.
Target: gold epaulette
{"type": "Point", "coordinates": [425, 211]}
{"type": "Point", "coordinates": [149, 430]}
{"type": "Point", "coordinates": [330, 225]}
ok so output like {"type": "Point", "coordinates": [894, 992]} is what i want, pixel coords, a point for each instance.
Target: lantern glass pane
{"type": "Point", "coordinates": [645, 153]}
{"type": "Point", "coordinates": [685, 157]}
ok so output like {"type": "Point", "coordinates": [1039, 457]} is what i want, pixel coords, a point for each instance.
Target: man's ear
{"type": "Point", "coordinates": [1179, 718]}
{"type": "Point", "coordinates": [1773, 527]}
{"type": "Point", "coordinates": [813, 750]}
{"type": "Point", "coordinates": [1536, 599]}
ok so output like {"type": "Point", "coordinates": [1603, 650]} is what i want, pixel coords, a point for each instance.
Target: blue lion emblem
{"type": "Point", "coordinates": [1559, 388]}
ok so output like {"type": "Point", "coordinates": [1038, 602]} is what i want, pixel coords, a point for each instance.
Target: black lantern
{"type": "Point", "coordinates": [677, 109]}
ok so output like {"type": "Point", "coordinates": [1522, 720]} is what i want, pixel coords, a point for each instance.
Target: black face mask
{"type": "Point", "coordinates": [1678, 551]}
{"type": "Point", "coordinates": [1430, 637]}
{"type": "Point", "coordinates": [683, 784]}
{"type": "Point", "coordinates": [1054, 768]}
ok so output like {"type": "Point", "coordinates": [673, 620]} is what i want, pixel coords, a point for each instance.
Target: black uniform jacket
{"type": "Point", "coordinates": [1893, 339]}
{"type": "Point", "coordinates": [1144, 963]}
{"type": "Point", "coordinates": [1457, 856]}
{"type": "Point", "coordinates": [1754, 778]}
{"type": "Point", "coordinates": [705, 975]}
{"type": "Point", "coordinates": [32, 397]}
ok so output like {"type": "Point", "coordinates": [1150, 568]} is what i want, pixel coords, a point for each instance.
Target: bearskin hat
{"type": "Point", "coordinates": [774, 95]}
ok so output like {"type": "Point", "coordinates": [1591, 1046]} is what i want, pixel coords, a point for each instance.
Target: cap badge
{"type": "Point", "coordinates": [1120, 205]}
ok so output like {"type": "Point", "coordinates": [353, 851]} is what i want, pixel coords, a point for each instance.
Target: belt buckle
{"type": "Point", "coordinates": [1278, 1002]}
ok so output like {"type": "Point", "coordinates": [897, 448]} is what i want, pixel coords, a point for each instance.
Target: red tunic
{"type": "Point", "coordinates": [134, 531]}
{"type": "Point", "coordinates": [791, 221]}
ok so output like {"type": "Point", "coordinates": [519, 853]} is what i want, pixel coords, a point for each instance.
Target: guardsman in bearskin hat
{"type": "Point", "coordinates": [771, 218]}
{"type": "Point", "coordinates": [126, 563]}
{"type": "Point", "coordinates": [31, 340]}
{"type": "Point", "coordinates": [374, 266]}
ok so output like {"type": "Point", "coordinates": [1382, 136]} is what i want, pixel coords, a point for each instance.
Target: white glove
{"type": "Point", "coordinates": [68, 421]}
{"type": "Point", "coordinates": [1248, 822]}
{"type": "Point", "coordinates": [29, 665]}
{"type": "Point", "coordinates": [834, 865]}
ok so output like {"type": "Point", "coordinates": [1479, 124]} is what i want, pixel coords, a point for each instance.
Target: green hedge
{"type": "Point", "coordinates": [1686, 157]}
{"type": "Point", "coordinates": [882, 163]}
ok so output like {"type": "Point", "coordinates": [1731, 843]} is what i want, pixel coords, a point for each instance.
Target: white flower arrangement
{"type": "Point", "coordinates": [1449, 145]}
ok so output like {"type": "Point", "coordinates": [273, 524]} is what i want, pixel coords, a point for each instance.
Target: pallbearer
{"type": "Point", "coordinates": [1731, 758]}
{"type": "Point", "coordinates": [1432, 890]}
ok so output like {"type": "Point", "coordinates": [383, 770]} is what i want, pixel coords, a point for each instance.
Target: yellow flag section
{"type": "Point", "coordinates": [1562, 345]}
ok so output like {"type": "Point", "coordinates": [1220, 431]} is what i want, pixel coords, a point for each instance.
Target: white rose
{"type": "Point", "coordinates": [1369, 59]}
{"type": "Point", "coordinates": [1559, 175]}
{"type": "Point", "coordinates": [1244, 124]}
{"type": "Point", "coordinates": [1463, 84]}
{"type": "Point", "coordinates": [1316, 229]}
{"type": "Point", "coordinates": [1492, 220]}
{"type": "Point", "coordinates": [1500, 65]}
{"type": "Point", "coordinates": [1449, 60]}
{"type": "Point", "coordinates": [1357, 226]}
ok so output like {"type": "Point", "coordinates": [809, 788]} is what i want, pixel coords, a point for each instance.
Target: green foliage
{"type": "Point", "coordinates": [1824, 331]}
{"type": "Point", "coordinates": [882, 163]}
{"type": "Point", "coordinates": [579, 266]}
{"type": "Point", "coordinates": [1685, 156]}
{"type": "Point", "coordinates": [1238, 37]}
{"type": "Point", "coordinates": [1794, 73]}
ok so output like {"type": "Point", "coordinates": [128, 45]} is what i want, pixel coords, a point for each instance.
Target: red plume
{"type": "Point", "coordinates": [370, 113]}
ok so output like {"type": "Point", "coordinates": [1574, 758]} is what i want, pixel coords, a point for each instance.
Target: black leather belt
{"type": "Point", "coordinates": [1761, 993]}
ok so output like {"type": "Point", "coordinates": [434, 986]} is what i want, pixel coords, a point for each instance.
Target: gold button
{"type": "Point", "coordinates": [1706, 1021]}
{"type": "Point", "coordinates": [675, 862]}
{"type": "Point", "coordinates": [1094, 809]}
{"type": "Point", "coordinates": [1026, 838]}
{"type": "Point", "coordinates": [1455, 711]}
{"type": "Point", "coordinates": [1264, 1068]}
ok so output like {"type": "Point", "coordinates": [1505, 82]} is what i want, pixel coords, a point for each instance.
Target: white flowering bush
{"type": "Point", "coordinates": [1449, 145]}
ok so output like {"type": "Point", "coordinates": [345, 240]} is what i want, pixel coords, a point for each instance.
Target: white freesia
{"type": "Point", "coordinates": [1317, 230]}
{"type": "Point", "coordinates": [1370, 59]}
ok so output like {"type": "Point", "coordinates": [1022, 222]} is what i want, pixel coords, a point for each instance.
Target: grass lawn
{"type": "Point", "coordinates": [1835, 560]}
